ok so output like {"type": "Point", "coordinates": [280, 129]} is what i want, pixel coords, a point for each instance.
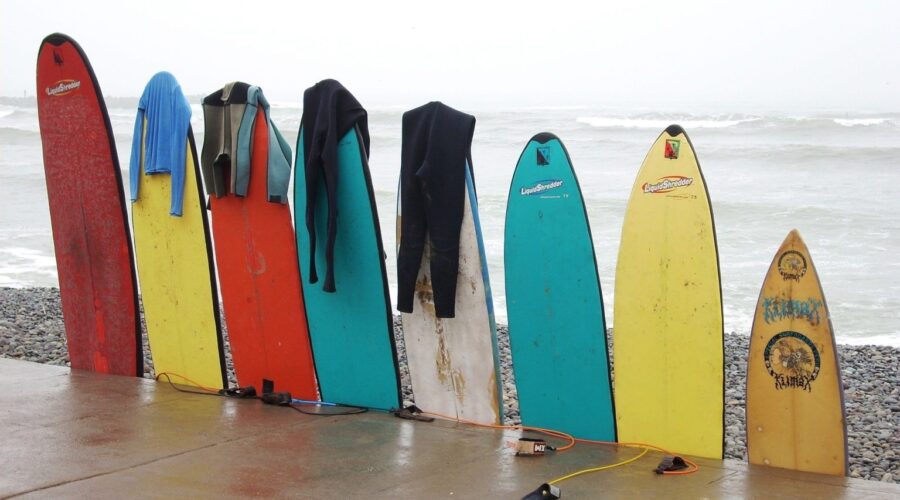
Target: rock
{"type": "Point", "coordinates": [31, 327]}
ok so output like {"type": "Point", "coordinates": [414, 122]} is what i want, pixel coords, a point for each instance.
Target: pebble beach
{"type": "Point", "coordinates": [31, 329]}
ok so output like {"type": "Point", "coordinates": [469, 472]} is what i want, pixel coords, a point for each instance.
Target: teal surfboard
{"type": "Point", "coordinates": [557, 330]}
{"type": "Point", "coordinates": [351, 330]}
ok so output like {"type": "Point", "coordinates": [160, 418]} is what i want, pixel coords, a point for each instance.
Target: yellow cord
{"type": "Point", "coordinates": [597, 469]}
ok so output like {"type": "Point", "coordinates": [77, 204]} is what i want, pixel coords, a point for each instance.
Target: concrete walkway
{"type": "Point", "coordinates": [77, 434]}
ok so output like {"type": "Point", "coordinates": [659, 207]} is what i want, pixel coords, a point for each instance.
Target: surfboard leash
{"type": "Point", "coordinates": [268, 396]}
{"type": "Point", "coordinates": [671, 464]}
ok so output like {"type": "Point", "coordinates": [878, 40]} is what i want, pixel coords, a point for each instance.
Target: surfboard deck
{"type": "Point", "coordinates": [557, 330]}
{"type": "Point", "coordinates": [668, 331]}
{"type": "Point", "coordinates": [795, 400]}
{"type": "Point", "coordinates": [454, 362]}
{"type": "Point", "coordinates": [256, 256]}
{"type": "Point", "coordinates": [91, 237]}
{"type": "Point", "coordinates": [352, 329]}
{"type": "Point", "coordinates": [178, 287]}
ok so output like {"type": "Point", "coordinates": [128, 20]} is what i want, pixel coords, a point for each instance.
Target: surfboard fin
{"type": "Point", "coordinates": [411, 412]}
{"type": "Point", "coordinates": [270, 397]}
{"type": "Point", "coordinates": [544, 492]}
{"type": "Point", "coordinates": [239, 392]}
{"type": "Point", "coordinates": [669, 464]}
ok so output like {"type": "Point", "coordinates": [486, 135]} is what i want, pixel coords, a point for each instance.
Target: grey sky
{"type": "Point", "coordinates": [657, 54]}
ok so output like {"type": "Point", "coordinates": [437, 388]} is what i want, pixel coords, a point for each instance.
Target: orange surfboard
{"type": "Point", "coordinates": [259, 278]}
{"type": "Point", "coordinates": [795, 403]}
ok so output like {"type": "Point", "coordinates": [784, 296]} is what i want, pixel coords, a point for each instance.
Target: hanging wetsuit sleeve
{"type": "Point", "coordinates": [312, 155]}
{"type": "Point", "coordinates": [177, 179]}
{"type": "Point", "coordinates": [134, 165]}
{"type": "Point", "coordinates": [245, 135]}
{"type": "Point", "coordinates": [278, 166]}
{"type": "Point", "coordinates": [330, 170]}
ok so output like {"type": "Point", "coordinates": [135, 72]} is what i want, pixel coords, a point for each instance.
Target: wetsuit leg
{"type": "Point", "coordinates": [330, 174]}
{"type": "Point", "coordinates": [413, 231]}
{"type": "Point", "coordinates": [312, 168]}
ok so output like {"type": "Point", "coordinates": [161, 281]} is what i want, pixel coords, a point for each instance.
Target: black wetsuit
{"type": "Point", "coordinates": [437, 141]}
{"type": "Point", "coordinates": [329, 112]}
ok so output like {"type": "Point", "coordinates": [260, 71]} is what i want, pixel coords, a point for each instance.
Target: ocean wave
{"type": "Point", "coordinates": [661, 122]}
{"type": "Point", "coordinates": [743, 122]}
{"type": "Point", "coordinates": [26, 266]}
{"type": "Point", "coordinates": [822, 154]}
{"type": "Point", "coordinates": [860, 122]}
{"type": "Point", "coordinates": [17, 133]}
{"type": "Point", "coordinates": [6, 112]}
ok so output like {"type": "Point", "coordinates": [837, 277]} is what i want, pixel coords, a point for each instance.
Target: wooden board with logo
{"type": "Point", "coordinates": [795, 407]}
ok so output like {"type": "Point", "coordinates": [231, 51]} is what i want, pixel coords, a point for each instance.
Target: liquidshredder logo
{"type": "Point", "coordinates": [667, 184]}
{"type": "Point", "coordinates": [672, 148]}
{"type": "Point", "coordinates": [793, 360]}
{"type": "Point", "coordinates": [63, 87]}
{"type": "Point", "coordinates": [541, 187]}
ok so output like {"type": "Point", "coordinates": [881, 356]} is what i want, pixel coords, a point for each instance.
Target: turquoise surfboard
{"type": "Point", "coordinates": [351, 330]}
{"type": "Point", "coordinates": [557, 330]}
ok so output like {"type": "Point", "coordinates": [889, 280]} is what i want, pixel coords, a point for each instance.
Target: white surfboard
{"type": "Point", "coordinates": [454, 362]}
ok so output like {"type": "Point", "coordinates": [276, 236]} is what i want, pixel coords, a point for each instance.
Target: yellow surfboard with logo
{"type": "Point", "coordinates": [176, 277]}
{"type": "Point", "coordinates": [668, 340]}
{"type": "Point", "coordinates": [795, 401]}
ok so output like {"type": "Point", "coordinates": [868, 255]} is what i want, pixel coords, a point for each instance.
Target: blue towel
{"type": "Point", "coordinates": [168, 117]}
{"type": "Point", "coordinates": [278, 164]}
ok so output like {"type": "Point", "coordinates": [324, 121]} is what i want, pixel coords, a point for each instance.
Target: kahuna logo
{"type": "Point", "coordinates": [63, 87]}
{"type": "Point", "coordinates": [667, 184]}
{"type": "Point", "coordinates": [776, 309]}
{"type": "Point", "coordinates": [792, 360]}
{"type": "Point", "coordinates": [672, 148]}
{"type": "Point", "coordinates": [541, 187]}
{"type": "Point", "coordinates": [792, 265]}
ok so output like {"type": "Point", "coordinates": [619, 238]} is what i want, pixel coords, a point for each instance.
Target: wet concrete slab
{"type": "Point", "coordinates": [78, 434]}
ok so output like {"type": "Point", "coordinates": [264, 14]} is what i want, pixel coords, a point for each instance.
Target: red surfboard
{"type": "Point", "coordinates": [259, 277]}
{"type": "Point", "coordinates": [94, 257]}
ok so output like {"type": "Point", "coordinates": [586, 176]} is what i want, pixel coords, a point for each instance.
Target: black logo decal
{"type": "Point", "coordinates": [543, 156]}
{"type": "Point", "coordinates": [792, 265]}
{"type": "Point", "coordinates": [792, 360]}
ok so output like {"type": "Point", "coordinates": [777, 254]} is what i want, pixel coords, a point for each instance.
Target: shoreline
{"type": "Point", "coordinates": [31, 329]}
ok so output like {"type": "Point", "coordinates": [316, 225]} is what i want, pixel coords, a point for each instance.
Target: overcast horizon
{"type": "Point", "coordinates": [650, 55]}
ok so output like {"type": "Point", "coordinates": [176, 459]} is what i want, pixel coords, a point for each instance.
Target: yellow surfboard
{"type": "Point", "coordinates": [174, 270]}
{"type": "Point", "coordinates": [668, 341]}
{"type": "Point", "coordinates": [795, 401]}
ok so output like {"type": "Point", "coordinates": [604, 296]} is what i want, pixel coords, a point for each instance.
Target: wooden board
{"type": "Point", "coordinates": [178, 287]}
{"type": "Point", "coordinates": [94, 257]}
{"type": "Point", "coordinates": [668, 340]}
{"type": "Point", "coordinates": [256, 256]}
{"type": "Point", "coordinates": [795, 400]}
{"type": "Point", "coordinates": [351, 330]}
{"type": "Point", "coordinates": [557, 330]}
{"type": "Point", "coordinates": [454, 362]}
